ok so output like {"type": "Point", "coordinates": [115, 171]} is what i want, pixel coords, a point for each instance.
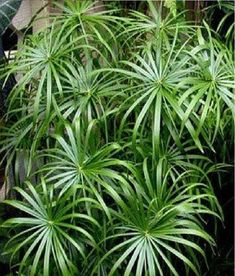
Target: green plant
{"type": "Point", "coordinates": [8, 9]}
{"type": "Point", "coordinates": [225, 26]}
{"type": "Point", "coordinates": [153, 229]}
{"type": "Point", "coordinates": [118, 144]}
{"type": "Point", "coordinates": [48, 227]}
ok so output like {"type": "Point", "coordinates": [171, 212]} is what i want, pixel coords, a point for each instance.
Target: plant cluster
{"type": "Point", "coordinates": [115, 121]}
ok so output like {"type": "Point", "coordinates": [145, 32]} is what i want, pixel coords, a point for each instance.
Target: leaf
{"type": "Point", "coordinates": [171, 4]}
{"type": "Point", "coordinates": [8, 9]}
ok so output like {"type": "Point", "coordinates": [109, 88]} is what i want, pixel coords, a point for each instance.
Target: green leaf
{"type": "Point", "coordinates": [8, 9]}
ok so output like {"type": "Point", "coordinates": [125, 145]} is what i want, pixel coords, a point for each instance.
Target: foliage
{"type": "Point", "coordinates": [118, 144]}
{"type": "Point", "coordinates": [171, 4]}
{"type": "Point", "coordinates": [225, 26]}
{"type": "Point", "coordinates": [46, 226]}
{"type": "Point", "coordinates": [8, 9]}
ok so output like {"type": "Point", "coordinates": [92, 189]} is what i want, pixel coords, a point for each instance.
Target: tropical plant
{"type": "Point", "coordinates": [8, 9]}
{"type": "Point", "coordinates": [46, 226]}
{"type": "Point", "coordinates": [117, 137]}
{"type": "Point", "coordinates": [225, 26]}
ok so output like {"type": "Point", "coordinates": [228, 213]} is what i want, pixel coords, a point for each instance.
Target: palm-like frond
{"type": "Point", "coordinates": [46, 228]}
{"type": "Point", "coordinates": [114, 128]}
{"type": "Point", "coordinates": [149, 234]}
{"type": "Point", "coordinates": [212, 86]}
{"type": "Point", "coordinates": [89, 19]}
{"type": "Point", "coordinates": [155, 27]}
{"type": "Point", "coordinates": [45, 60]}
{"type": "Point", "coordinates": [88, 94]}
{"type": "Point", "coordinates": [157, 75]}
{"type": "Point", "coordinates": [73, 162]}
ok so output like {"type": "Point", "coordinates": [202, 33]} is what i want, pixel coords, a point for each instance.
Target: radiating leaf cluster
{"type": "Point", "coordinates": [117, 120]}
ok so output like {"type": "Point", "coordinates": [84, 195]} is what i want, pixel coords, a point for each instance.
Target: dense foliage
{"type": "Point", "coordinates": [111, 137]}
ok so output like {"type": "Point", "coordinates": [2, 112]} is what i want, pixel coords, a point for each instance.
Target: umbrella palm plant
{"type": "Point", "coordinates": [124, 141]}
